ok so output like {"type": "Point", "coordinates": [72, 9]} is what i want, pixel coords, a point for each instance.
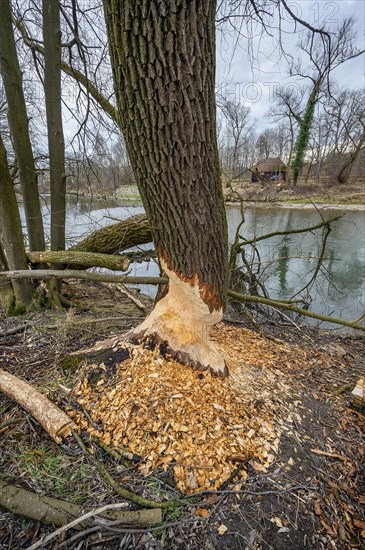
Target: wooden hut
{"type": "Point", "coordinates": [270, 169]}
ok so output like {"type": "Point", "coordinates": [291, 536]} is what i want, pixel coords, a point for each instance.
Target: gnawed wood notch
{"type": "Point", "coordinates": [59, 512]}
{"type": "Point", "coordinates": [56, 423]}
{"type": "Point", "coordinates": [180, 325]}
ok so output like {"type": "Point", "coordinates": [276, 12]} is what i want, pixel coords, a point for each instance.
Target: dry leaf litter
{"type": "Point", "coordinates": [200, 425]}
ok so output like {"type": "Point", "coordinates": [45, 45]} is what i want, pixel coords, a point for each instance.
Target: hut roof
{"type": "Point", "coordinates": [270, 164]}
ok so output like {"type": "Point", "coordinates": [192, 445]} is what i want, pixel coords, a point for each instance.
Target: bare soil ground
{"type": "Point", "coordinates": [311, 495]}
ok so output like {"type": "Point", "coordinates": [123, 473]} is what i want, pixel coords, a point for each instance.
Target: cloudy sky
{"type": "Point", "coordinates": [252, 76]}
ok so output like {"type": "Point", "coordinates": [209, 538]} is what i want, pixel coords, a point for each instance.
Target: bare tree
{"type": "Point", "coordinates": [56, 144]}
{"type": "Point", "coordinates": [345, 122]}
{"type": "Point", "coordinates": [11, 239]}
{"type": "Point", "coordinates": [325, 53]}
{"type": "Point", "coordinates": [19, 126]}
{"type": "Point", "coordinates": [287, 110]}
{"type": "Point", "coordinates": [239, 128]}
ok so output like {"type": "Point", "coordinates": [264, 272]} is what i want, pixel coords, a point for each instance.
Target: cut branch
{"type": "Point", "coordinates": [80, 259]}
{"type": "Point", "coordinates": [59, 512]}
{"type": "Point", "coordinates": [56, 423]}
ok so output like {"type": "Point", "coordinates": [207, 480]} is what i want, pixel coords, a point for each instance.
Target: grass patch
{"type": "Point", "coordinates": [56, 473]}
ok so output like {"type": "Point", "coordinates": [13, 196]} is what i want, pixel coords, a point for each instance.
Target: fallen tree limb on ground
{"type": "Point", "coordinates": [295, 309]}
{"type": "Point", "coordinates": [81, 259]}
{"type": "Point", "coordinates": [59, 512]}
{"type": "Point", "coordinates": [56, 423]}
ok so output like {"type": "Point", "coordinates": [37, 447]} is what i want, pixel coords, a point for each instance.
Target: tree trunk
{"type": "Point", "coordinates": [19, 127]}
{"type": "Point", "coordinates": [163, 59]}
{"type": "Point", "coordinates": [304, 132]}
{"type": "Point", "coordinates": [345, 169]}
{"type": "Point", "coordinates": [56, 144]}
{"type": "Point", "coordinates": [7, 296]}
{"type": "Point", "coordinates": [11, 237]}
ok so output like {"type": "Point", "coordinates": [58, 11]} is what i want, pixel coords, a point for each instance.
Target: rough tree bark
{"type": "Point", "coordinates": [56, 143]}
{"type": "Point", "coordinates": [7, 296]}
{"type": "Point", "coordinates": [163, 59]}
{"type": "Point", "coordinates": [11, 239]}
{"type": "Point", "coordinates": [18, 123]}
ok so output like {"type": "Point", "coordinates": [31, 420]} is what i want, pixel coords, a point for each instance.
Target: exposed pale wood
{"type": "Point", "coordinates": [59, 512]}
{"type": "Point", "coordinates": [56, 423]}
{"type": "Point", "coordinates": [181, 322]}
{"type": "Point", "coordinates": [163, 61]}
{"type": "Point", "coordinates": [80, 258]}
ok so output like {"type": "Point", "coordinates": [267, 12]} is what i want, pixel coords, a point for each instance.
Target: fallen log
{"type": "Point", "coordinates": [117, 237]}
{"type": "Point", "coordinates": [56, 423]}
{"type": "Point", "coordinates": [80, 258]}
{"type": "Point", "coordinates": [59, 512]}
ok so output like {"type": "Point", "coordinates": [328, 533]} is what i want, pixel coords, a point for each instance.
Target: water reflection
{"type": "Point", "coordinates": [287, 261]}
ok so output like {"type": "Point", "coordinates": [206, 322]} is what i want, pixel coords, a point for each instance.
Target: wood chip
{"type": "Point", "coordinates": [192, 422]}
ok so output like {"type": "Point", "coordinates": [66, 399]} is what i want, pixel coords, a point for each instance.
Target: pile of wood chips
{"type": "Point", "coordinates": [195, 424]}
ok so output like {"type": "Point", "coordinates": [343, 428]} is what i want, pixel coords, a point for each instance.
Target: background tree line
{"type": "Point", "coordinates": [96, 160]}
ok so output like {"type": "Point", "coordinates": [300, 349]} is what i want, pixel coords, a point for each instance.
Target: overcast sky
{"type": "Point", "coordinates": [253, 81]}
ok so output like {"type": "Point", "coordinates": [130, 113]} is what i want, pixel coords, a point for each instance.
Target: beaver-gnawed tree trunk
{"type": "Point", "coordinates": [163, 58]}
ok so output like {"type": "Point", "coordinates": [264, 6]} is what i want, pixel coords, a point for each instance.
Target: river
{"type": "Point", "coordinates": [287, 261]}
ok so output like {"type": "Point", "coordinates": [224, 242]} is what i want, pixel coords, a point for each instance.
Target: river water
{"type": "Point", "coordinates": [287, 262]}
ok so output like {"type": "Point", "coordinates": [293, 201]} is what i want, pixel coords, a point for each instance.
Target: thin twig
{"type": "Point", "coordinates": [124, 492]}
{"type": "Point", "coordinates": [10, 422]}
{"type": "Point", "coordinates": [73, 523]}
